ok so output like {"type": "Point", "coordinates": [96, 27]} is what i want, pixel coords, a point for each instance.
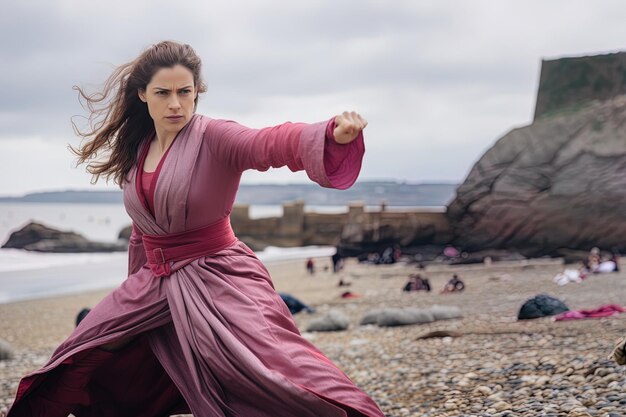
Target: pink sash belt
{"type": "Point", "coordinates": [187, 245]}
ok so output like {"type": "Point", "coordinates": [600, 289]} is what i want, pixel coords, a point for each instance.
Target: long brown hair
{"type": "Point", "coordinates": [118, 119]}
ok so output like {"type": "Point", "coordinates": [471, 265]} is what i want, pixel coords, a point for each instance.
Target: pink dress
{"type": "Point", "coordinates": [210, 335]}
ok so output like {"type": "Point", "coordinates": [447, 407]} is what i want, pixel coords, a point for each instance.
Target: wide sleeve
{"type": "Point", "coordinates": [299, 146]}
{"type": "Point", "coordinates": [136, 252]}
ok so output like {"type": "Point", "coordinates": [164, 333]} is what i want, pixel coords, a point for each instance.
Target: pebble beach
{"type": "Point", "coordinates": [490, 365]}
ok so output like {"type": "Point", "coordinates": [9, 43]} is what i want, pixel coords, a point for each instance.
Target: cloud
{"type": "Point", "coordinates": [439, 81]}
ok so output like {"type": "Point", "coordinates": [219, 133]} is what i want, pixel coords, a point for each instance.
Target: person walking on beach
{"type": "Point", "coordinates": [310, 266]}
{"type": "Point", "coordinates": [337, 261]}
{"type": "Point", "coordinates": [197, 326]}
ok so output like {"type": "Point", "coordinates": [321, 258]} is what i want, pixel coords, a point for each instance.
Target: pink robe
{"type": "Point", "coordinates": [213, 338]}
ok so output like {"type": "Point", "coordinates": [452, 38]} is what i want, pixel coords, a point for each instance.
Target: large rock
{"type": "Point", "coordinates": [40, 238]}
{"type": "Point", "coordinates": [557, 183]}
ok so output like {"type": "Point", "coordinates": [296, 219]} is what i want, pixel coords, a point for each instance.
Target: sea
{"type": "Point", "coordinates": [28, 275]}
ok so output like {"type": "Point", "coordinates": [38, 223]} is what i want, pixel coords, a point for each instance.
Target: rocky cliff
{"type": "Point", "coordinates": [557, 183]}
{"type": "Point", "coordinates": [569, 83]}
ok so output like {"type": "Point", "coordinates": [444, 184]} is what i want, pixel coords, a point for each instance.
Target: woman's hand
{"type": "Point", "coordinates": [348, 125]}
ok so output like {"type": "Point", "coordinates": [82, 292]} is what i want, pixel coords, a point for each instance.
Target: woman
{"type": "Point", "coordinates": [197, 326]}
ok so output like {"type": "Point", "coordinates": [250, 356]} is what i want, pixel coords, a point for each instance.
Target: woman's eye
{"type": "Point", "coordinates": [160, 93]}
{"type": "Point", "coordinates": [186, 91]}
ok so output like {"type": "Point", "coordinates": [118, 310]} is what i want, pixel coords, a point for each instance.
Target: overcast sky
{"type": "Point", "coordinates": [439, 81]}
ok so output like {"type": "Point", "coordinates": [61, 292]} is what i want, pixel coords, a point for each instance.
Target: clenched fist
{"type": "Point", "coordinates": [348, 125]}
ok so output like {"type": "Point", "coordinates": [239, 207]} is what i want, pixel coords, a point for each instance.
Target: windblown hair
{"type": "Point", "coordinates": [118, 119]}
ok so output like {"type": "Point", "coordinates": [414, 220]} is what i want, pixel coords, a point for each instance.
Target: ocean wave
{"type": "Point", "coordinates": [21, 260]}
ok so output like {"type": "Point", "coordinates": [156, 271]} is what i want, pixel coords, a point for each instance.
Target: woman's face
{"type": "Point", "coordinates": [170, 96]}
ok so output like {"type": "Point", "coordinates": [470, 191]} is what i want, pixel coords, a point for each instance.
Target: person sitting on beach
{"type": "Point", "coordinates": [597, 264]}
{"type": "Point", "coordinates": [454, 285]}
{"type": "Point", "coordinates": [397, 253]}
{"type": "Point", "coordinates": [610, 264]}
{"type": "Point", "coordinates": [593, 260]}
{"type": "Point", "coordinates": [615, 258]}
{"type": "Point", "coordinates": [372, 258]}
{"type": "Point", "coordinates": [387, 256]}
{"type": "Point", "coordinates": [417, 283]}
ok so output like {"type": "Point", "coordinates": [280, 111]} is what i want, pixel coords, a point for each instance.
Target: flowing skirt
{"type": "Point", "coordinates": [212, 339]}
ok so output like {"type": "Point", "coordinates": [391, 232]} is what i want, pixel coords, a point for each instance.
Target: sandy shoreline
{"type": "Point", "coordinates": [498, 367]}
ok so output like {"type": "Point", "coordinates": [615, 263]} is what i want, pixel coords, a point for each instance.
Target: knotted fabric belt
{"type": "Point", "coordinates": [187, 245]}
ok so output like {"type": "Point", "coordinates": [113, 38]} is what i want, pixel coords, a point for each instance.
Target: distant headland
{"type": "Point", "coordinates": [367, 192]}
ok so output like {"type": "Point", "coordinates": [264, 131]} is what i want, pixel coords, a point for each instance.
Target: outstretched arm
{"type": "Point", "coordinates": [330, 152]}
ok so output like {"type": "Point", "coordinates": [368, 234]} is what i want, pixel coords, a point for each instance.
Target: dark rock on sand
{"type": "Point", "coordinates": [294, 305]}
{"type": "Point", "coordinates": [439, 333]}
{"type": "Point", "coordinates": [82, 314]}
{"type": "Point", "coordinates": [541, 305]}
{"type": "Point", "coordinates": [37, 237]}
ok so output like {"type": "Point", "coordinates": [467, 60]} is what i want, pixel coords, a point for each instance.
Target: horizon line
{"type": "Point", "coordinates": [69, 190]}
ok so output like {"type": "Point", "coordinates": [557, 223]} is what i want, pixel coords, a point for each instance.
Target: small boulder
{"type": "Point", "coordinates": [371, 317]}
{"type": "Point", "coordinates": [6, 351]}
{"type": "Point", "coordinates": [445, 312]}
{"type": "Point", "coordinates": [391, 317]}
{"type": "Point", "coordinates": [334, 320]}
{"type": "Point", "coordinates": [541, 305]}
{"type": "Point", "coordinates": [439, 334]}
{"type": "Point", "coordinates": [294, 305]}
{"type": "Point", "coordinates": [81, 315]}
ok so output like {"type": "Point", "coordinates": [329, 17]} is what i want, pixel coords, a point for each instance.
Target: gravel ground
{"type": "Point", "coordinates": [494, 366]}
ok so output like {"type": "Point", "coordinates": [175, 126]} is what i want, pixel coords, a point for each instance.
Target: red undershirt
{"type": "Point", "coordinates": [147, 178]}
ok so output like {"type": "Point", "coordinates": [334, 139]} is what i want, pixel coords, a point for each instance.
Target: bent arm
{"type": "Point", "coordinates": [299, 146]}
